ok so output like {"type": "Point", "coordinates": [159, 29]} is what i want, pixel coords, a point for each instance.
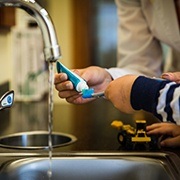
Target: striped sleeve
{"type": "Point", "coordinates": [160, 97]}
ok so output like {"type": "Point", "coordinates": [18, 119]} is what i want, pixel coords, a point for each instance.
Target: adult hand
{"type": "Point", "coordinates": [96, 77]}
{"type": "Point", "coordinates": [118, 92]}
{"type": "Point", "coordinates": [169, 129]}
{"type": "Point", "coordinates": [175, 76]}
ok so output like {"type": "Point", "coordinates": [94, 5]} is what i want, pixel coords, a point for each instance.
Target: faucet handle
{"type": "Point", "coordinates": [7, 100]}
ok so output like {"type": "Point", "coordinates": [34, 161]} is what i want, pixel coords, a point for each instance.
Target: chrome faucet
{"type": "Point", "coordinates": [6, 101]}
{"type": "Point", "coordinates": [51, 47]}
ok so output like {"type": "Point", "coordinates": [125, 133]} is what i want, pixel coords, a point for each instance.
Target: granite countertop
{"type": "Point", "coordinates": [90, 123]}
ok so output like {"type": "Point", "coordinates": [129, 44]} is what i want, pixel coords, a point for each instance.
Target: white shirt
{"type": "Point", "coordinates": [144, 25]}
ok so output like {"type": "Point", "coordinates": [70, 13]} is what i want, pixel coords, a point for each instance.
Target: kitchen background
{"type": "Point", "coordinates": [87, 34]}
{"type": "Point", "coordinates": [86, 31]}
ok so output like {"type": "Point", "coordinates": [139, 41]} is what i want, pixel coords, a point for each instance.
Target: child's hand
{"type": "Point", "coordinates": [172, 76]}
{"type": "Point", "coordinates": [119, 92]}
{"type": "Point", "coordinates": [169, 129]}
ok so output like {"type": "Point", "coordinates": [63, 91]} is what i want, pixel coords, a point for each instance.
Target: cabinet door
{"type": "Point", "coordinates": [95, 33]}
{"type": "Point", "coordinates": [7, 17]}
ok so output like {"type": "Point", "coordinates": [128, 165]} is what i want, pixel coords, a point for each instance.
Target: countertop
{"type": "Point", "coordinates": [90, 123]}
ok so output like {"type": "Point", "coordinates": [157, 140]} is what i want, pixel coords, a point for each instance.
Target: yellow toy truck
{"type": "Point", "coordinates": [131, 138]}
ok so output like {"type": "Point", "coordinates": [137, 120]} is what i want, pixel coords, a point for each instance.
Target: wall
{"type": "Point", "coordinates": [61, 14]}
{"type": "Point", "coordinates": [5, 56]}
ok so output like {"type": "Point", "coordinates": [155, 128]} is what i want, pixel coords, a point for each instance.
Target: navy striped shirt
{"type": "Point", "coordinates": [160, 97]}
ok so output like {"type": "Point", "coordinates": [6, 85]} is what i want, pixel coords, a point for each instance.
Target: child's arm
{"type": "Point", "coordinates": [160, 97]}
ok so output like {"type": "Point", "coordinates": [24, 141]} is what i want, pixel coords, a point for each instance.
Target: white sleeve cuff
{"type": "Point", "coordinates": [118, 72]}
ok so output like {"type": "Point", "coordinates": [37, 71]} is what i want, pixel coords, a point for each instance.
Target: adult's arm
{"type": "Point", "coordinates": [139, 52]}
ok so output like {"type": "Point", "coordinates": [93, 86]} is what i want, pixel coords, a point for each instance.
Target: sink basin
{"type": "Point", "coordinates": [35, 140]}
{"type": "Point", "coordinates": [89, 166]}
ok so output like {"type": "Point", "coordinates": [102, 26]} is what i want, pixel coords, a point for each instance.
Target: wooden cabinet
{"type": "Point", "coordinates": [95, 33]}
{"type": "Point", "coordinates": [82, 14]}
{"type": "Point", "coordinates": [7, 17]}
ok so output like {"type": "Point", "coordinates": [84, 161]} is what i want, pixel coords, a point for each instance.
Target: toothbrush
{"type": "Point", "coordinates": [79, 83]}
{"type": "Point", "coordinates": [89, 93]}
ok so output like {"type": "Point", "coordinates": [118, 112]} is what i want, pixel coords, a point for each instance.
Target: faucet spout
{"type": "Point", "coordinates": [51, 47]}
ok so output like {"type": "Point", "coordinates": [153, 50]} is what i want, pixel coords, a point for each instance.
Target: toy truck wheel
{"type": "Point", "coordinates": [129, 144]}
{"type": "Point", "coordinates": [122, 138]}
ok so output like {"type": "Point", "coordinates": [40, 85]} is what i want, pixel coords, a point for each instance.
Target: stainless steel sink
{"type": "Point", "coordinates": [84, 166]}
{"type": "Point", "coordinates": [35, 140]}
